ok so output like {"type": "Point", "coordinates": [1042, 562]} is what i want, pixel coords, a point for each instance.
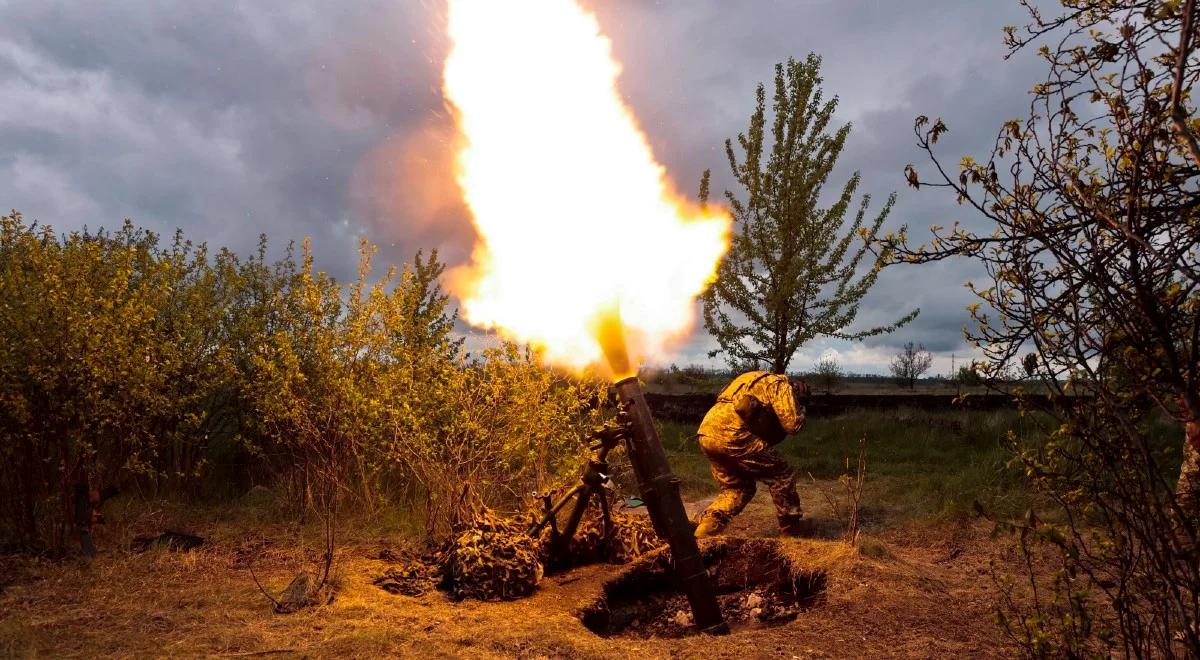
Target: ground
{"type": "Point", "coordinates": [914, 589]}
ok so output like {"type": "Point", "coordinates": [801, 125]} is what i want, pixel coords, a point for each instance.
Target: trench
{"type": "Point", "coordinates": [757, 585]}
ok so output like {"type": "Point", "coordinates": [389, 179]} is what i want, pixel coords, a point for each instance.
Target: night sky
{"type": "Point", "coordinates": [326, 119]}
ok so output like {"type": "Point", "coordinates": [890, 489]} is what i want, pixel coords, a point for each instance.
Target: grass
{"type": "Point", "coordinates": [922, 599]}
{"type": "Point", "coordinates": [922, 464]}
{"type": "Point", "coordinates": [919, 574]}
{"type": "Point", "coordinates": [203, 603]}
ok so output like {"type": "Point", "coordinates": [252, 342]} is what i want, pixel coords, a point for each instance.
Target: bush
{"type": "Point", "coordinates": [123, 361]}
{"type": "Point", "coordinates": [828, 376]}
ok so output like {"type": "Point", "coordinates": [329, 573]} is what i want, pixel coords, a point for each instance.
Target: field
{"type": "Point", "coordinates": [919, 584]}
{"type": "Point", "coordinates": [920, 464]}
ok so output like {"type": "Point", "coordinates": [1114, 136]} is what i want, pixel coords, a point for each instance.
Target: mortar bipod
{"type": "Point", "coordinates": [594, 479]}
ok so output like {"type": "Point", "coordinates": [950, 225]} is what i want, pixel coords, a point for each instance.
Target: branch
{"type": "Point", "coordinates": [1178, 115]}
{"type": "Point", "coordinates": [261, 588]}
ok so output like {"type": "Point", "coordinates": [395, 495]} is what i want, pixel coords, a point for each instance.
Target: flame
{"type": "Point", "coordinates": [580, 234]}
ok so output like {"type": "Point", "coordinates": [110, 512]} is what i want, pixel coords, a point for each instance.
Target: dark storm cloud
{"type": "Point", "coordinates": [325, 119]}
{"type": "Point", "coordinates": [690, 73]}
{"type": "Point", "coordinates": [224, 119]}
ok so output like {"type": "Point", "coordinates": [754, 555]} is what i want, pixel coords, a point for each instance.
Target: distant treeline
{"type": "Point", "coordinates": [691, 408]}
{"type": "Point", "coordinates": [704, 375]}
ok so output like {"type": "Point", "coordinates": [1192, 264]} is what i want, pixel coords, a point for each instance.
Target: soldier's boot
{"type": "Point", "coordinates": [795, 526]}
{"type": "Point", "coordinates": [710, 525]}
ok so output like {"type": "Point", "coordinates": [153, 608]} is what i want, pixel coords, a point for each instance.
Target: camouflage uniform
{"type": "Point", "coordinates": [739, 457]}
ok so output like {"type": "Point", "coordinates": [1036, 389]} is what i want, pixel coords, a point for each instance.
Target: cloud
{"type": "Point", "coordinates": [326, 119]}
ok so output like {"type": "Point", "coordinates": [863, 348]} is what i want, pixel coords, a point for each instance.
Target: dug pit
{"type": "Point", "coordinates": [757, 585]}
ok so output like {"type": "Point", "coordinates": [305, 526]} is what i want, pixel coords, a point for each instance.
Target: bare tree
{"type": "Point", "coordinates": [910, 363]}
{"type": "Point", "coordinates": [1092, 248]}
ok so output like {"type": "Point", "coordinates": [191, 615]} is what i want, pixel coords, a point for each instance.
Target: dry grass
{"type": "Point", "coordinates": [927, 594]}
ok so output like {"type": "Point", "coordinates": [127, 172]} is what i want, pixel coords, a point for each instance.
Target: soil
{"type": "Point", "coordinates": [920, 591]}
{"type": "Point", "coordinates": [756, 584]}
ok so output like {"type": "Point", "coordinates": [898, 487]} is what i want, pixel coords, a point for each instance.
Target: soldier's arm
{"type": "Point", "coordinates": [791, 415]}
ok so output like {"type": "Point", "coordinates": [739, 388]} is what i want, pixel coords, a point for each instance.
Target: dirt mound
{"type": "Point", "coordinates": [756, 584]}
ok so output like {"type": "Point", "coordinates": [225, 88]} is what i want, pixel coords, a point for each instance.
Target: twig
{"type": "Point", "coordinates": [829, 499]}
{"type": "Point", "coordinates": [854, 487]}
{"type": "Point", "coordinates": [260, 587]}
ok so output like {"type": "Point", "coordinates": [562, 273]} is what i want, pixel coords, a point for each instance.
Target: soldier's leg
{"type": "Point", "coordinates": [768, 466]}
{"type": "Point", "coordinates": [736, 491]}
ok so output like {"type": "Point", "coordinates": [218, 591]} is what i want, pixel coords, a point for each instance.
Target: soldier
{"type": "Point", "coordinates": [752, 415]}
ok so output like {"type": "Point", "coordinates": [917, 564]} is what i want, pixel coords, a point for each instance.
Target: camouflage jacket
{"type": "Point", "coordinates": [723, 426]}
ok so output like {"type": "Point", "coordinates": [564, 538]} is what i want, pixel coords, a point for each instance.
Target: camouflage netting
{"type": "Point", "coordinates": [495, 558]}
{"type": "Point", "coordinates": [632, 536]}
{"type": "Point", "coordinates": [413, 577]}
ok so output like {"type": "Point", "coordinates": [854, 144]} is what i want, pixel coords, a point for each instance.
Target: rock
{"type": "Point", "coordinates": [299, 594]}
{"type": "Point", "coordinates": [683, 618]}
{"type": "Point", "coordinates": [754, 601]}
{"type": "Point", "coordinates": [756, 613]}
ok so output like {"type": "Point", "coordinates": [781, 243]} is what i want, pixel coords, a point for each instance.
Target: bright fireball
{"type": "Point", "coordinates": [574, 215]}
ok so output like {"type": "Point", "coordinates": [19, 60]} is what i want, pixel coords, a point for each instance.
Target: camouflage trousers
{"type": "Point", "coordinates": [737, 470]}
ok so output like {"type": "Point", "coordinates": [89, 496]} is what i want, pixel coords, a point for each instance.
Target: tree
{"type": "Point", "coordinates": [789, 275]}
{"type": "Point", "coordinates": [968, 375]}
{"type": "Point", "coordinates": [1029, 364]}
{"type": "Point", "coordinates": [1093, 203]}
{"type": "Point", "coordinates": [828, 375]}
{"type": "Point", "coordinates": [81, 374]}
{"type": "Point", "coordinates": [910, 363]}
{"type": "Point", "coordinates": [124, 361]}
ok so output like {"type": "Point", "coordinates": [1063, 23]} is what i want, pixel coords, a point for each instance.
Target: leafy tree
{"type": "Point", "coordinates": [908, 365]}
{"type": "Point", "coordinates": [365, 387]}
{"type": "Point", "coordinates": [1029, 363]}
{"type": "Point", "coordinates": [828, 375]}
{"type": "Point", "coordinates": [789, 275]}
{"type": "Point", "coordinates": [126, 361]}
{"type": "Point", "coordinates": [81, 374]}
{"type": "Point", "coordinates": [425, 322]}
{"type": "Point", "coordinates": [969, 375]}
{"type": "Point", "coordinates": [200, 389]}
{"type": "Point", "coordinates": [1091, 247]}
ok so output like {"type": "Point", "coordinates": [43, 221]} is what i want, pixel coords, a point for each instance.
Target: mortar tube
{"type": "Point", "coordinates": [660, 491]}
